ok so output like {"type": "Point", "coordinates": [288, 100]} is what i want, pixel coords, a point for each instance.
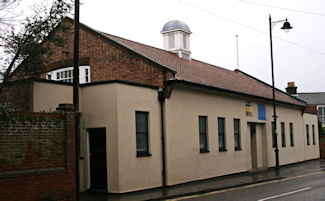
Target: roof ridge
{"type": "Point", "coordinates": [135, 42]}
{"type": "Point", "coordinates": [196, 60]}
{"type": "Point", "coordinates": [260, 81]}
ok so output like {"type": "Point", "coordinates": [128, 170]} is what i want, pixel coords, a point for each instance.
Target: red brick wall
{"type": "Point", "coordinates": [322, 146]}
{"type": "Point", "coordinates": [107, 60]}
{"type": "Point", "coordinates": [19, 94]}
{"type": "Point", "coordinates": [37, 157]}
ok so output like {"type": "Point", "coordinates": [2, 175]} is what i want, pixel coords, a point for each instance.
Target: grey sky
{"type": "Point", "coordinates": [298, 55]}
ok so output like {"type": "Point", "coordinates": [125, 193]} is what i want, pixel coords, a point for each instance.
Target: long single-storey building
{"type": "Point", "coordinates": [155, 117]}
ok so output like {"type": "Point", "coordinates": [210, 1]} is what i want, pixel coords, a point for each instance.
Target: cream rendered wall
{"type": "Point", "coordinates": [185, 162]}
{"type": "Point", "coordinates": [48, 96]}
{"type": "Point", "coordinates": [137, 173]}
{"type": "Point", "coordinates": [113, 106]}
{"type": "Point", "coordinates": [312, 150]}
{"type": "Point", "coordinates": [99, 109]}
{"type": "Point", "coordinates": [288, 154]}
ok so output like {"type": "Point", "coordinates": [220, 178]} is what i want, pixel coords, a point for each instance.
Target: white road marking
{"type": "Point", "coordinates": [284, 194]}
{"type": "Point", "coordinates": [244, 187]}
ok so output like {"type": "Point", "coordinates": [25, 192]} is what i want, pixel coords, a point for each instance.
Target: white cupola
{"type": "Point", "coordinates": [176, 38]}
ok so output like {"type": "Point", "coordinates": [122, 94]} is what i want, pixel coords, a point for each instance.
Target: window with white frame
{"type": "Point", "coordinates": [66, 74]}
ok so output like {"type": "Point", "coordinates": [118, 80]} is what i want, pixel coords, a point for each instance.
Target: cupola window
{"type": "Point", "coordinates": [184, 42]}
{"type": "Point", "coordinates": [171, 40]}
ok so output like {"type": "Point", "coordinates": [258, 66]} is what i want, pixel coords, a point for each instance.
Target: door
{"type": "Point", "coordinates": [258, 145]}
{"type": "Point", "coordinates": [253, 145]}
{"type": "Point", "coordinates": [97, 156]}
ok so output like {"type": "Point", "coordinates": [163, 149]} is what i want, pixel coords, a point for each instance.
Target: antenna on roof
{"type": "Point", "coordinates": [237, 52]}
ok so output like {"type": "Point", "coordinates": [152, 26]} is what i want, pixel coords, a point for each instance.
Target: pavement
{"type": "Point", "coordinates": [214, 184]}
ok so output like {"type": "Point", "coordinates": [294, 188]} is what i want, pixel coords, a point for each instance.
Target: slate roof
{"type": "Point", "coordinates": [312, 98]}
{"type": "Point", "coordinates": [197, 72]}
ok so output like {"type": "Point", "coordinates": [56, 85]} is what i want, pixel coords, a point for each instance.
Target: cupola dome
{"type": "Point", "coordinates": [176, 38]}
{"type": "Point", "coordinates": [175, 25]}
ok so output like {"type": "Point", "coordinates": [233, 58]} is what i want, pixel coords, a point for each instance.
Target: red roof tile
{"type": "Point", "coordinates": [198, 72]}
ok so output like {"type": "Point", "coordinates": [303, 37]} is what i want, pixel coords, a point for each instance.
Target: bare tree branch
{"type": "Point", "coordinates": [27, 44]}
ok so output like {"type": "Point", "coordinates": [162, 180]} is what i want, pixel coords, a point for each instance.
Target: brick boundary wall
{"type": "Point", "coordinates": [37, 156]}
{"type": "Point", "coordinates": [322, 146]}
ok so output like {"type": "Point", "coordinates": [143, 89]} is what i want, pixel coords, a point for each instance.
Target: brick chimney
{"type": "Point", "coordinates": [291, 89]}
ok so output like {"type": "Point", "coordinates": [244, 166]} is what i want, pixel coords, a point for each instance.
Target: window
{"type": "Point", "coordinates": [237, 134]}
{"type": "Point", "coordinates": [86, 75]}
{"type": "Point", "coordinates": [203, 134]}
{"type": "Point", "coordinates": [273, 134]}
{"type": "Point", "coordinates": [292, 143]}
{"type": "Point", "coordinates": [184, 42]}
{"type": "Point", "coordinates": [321, 115]}
{"type": "Point", "coordinates": [283, 134]}
{"type": "Point", "coordinates": [142, 133]}
{"type": "Point", "coordinates": [307, 134]}
{"type": "Point", "coordinates": [221, 134]}
{"type": "Point", "coordinates": [66, 74]}
{"type": "Point", "coordinates": [171, 42]}
{"type": "Point", "coordinates": [313, 130]}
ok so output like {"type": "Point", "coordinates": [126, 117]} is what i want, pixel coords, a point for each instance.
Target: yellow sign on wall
{"type": "Point", "coordinates": [249, 110]}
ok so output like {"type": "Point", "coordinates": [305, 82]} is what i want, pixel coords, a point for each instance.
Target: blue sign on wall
{"type": "Point", "coordinates": [261, 112]}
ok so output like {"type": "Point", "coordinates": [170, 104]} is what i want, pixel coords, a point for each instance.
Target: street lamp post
{"type": "Point", "coordinates": [286, 27]}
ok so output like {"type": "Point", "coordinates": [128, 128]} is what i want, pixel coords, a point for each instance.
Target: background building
{"type": "Point", "coordinates": [315, 100]}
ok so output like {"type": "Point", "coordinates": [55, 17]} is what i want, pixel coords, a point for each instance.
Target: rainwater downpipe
{"type": "Point", "coordinates": [161, 98]}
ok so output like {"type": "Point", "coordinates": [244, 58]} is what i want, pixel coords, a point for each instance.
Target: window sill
{"type": "Point", "coordinates": [238, 149]}
{"type": "Point", "coordinates": [143, 155]}
{"type": "Point", "coordinates": [222, 150]}
{"type": "Point", "coordinates": [292, 145]}
{"type": "Point", "coordinates": [284, 146]}
{"type": "Point", "coordinates": [204, 151]}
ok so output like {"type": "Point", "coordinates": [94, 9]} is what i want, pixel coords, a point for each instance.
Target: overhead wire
{"type": "Point", "coordinates": [250, 27]}
{"type": "Point", "coordinates": [282, 8]}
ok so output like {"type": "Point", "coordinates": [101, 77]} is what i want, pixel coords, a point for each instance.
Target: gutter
{"type": "Point", "coordinates": [161, 98]}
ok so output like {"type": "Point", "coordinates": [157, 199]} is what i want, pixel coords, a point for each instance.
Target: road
{"type": "Point", "coordinates": [309, 187]}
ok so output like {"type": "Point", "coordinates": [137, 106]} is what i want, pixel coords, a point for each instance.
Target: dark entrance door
{"type": "Point", "coordinates": [98, 170]}
{"type": "Point", "coordinates": [253, 145]}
